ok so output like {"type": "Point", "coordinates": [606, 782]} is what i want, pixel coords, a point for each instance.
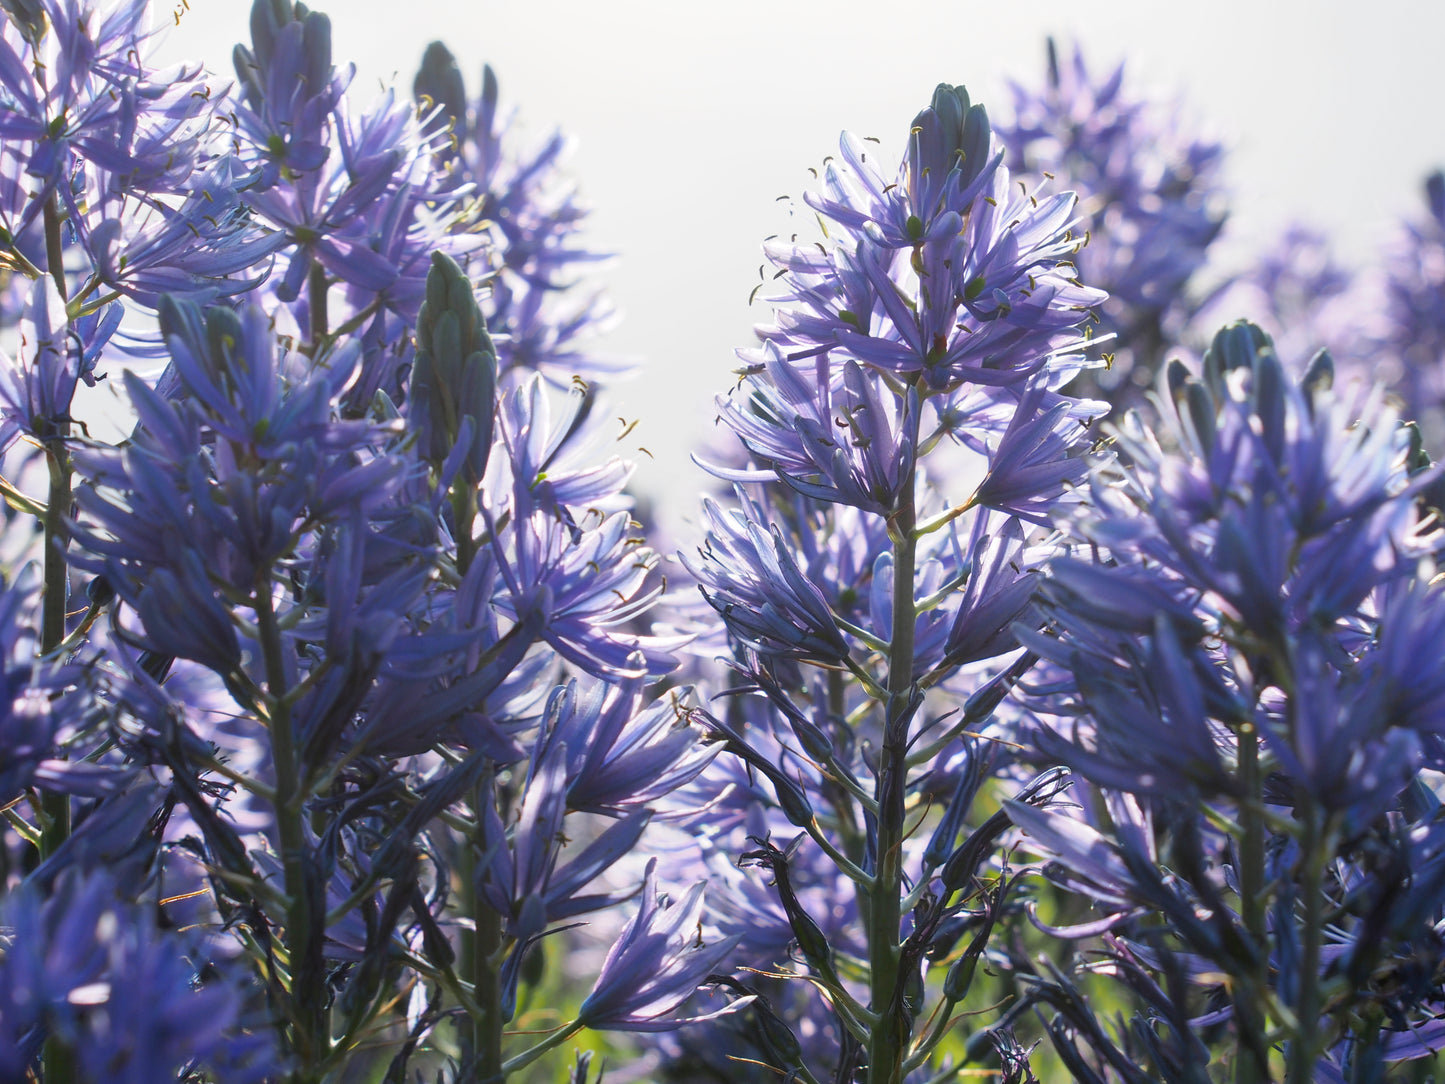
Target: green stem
{"type": "Point", "coordinates": [481, 956]}
{"type": "Point", "coordinates": [1247, 1067]}
{"type": "Point", "coordinates": [55, 591]}
{"type": "Point", "coordinates": [307, 994]}
{"type": "Point", "coordinates": [52, 614]}
{"type": "Point", "coordinates": [889, 1041]}
{"type": "Point", "coordinates": [317, 286]}
{"type": "Point", "coordinates": [1306, 1045]}
{"type": "Point", "coordinates": [54, 248]}
{"type": "Point", "coordinates": [57, 538]}
{"type": "Point", "coordinates": [58, 1059]}
{"type": "Point", "coordinates": [481, 947]}
{"type": "Point", "coordinates": [526, 1057]}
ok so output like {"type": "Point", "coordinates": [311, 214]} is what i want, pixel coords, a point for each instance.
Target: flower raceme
{"type": "Point", "coordinates": [339, 708]}
{"type": "Point", "coordinates": [364, 643]}
{"type": "Point", "coordinates": [906, 444]}
{"type": "Point", "coordinates": [1245, 685]}
{"type": "Point", "coordinates": [1151, 201]}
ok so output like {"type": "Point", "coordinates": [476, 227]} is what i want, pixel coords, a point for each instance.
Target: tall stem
{"type": "Point", "coordinates": [55, 590]}
{"type": "Point", "coordinates": [1305, 1048]}
{"type": "Point", "coordinates": [301, 940]}
{"type": "Point", "coordinates": [481, 947]}
{"type": "Point", "coordinates": [485, 972]}
{"type": "Point", "coordinates": [1249, 1034]}
{"type": "Point", "coordinates": [890, 1038]}
{"type": "Point", "coordinates": [59, 1060]}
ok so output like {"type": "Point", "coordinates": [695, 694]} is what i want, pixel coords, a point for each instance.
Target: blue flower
{"type": "Point", "coordinates": [1414, 310]}
{"type": "Point", "coordinates": [854, 444]}
{"type": "Point", "coordinates": [655, 965]}
{"type": "Point", "coordinates": [53, 354]}
{"type": "Point", "coordinates": [96, 975]}
{"type": "Point", "coordinates": [618, 753]}
{"type": "Point", "coordinates": [988, 293]}
{"type": "Point", "coordinates": [542, 308]}
{"type": "Point", "coordinates": [1150, 197]}
{"type": "Point", "coordinates": [751, 578]}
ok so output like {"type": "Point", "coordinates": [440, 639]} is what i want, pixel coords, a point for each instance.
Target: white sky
{"type": "Point", "coordinates": [691, 119]}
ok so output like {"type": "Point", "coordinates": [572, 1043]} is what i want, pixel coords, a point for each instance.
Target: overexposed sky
{"type": "Point", "coordinates": [692, 118]}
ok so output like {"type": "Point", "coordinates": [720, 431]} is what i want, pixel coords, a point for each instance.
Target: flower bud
{"type": "Point", "coordinates": [455, 375]}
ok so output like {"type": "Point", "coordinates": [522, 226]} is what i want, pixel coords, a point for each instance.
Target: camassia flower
{"type": "Point", "coordinates": [94, 973]}
{"type": "Point", "coordinates": [1414, 311]}
{"type": "Point", "coordinates": [655, 966]}
{"type": "Point", "coordinates": [907, 448]}
{"type": "Point", "coordinates": [1248, 671]}
{"type": "Point", "coordinates": [1150, 194]}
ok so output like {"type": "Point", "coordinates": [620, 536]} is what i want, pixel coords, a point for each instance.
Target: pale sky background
{"type": "Point", "coordinates": [690, 120]}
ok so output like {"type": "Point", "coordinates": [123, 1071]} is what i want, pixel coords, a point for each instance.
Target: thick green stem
{"type": "Point", "coordinates": [1247, 1067]}
{"type": "Point", "coordinates": [839, 797]}
{"type": "Point", "coordinates": [307, 994]}
{"type": "Point", "coordinates": [890, 1038]}
{"type": "Point", "coordinates": [59, 1060]}
{"type": "Point", "coordinates": [1305, 1047]}
{"type": "Point", "coordinates": [481, 948]}
{"type": "Point", "coordinates": [486, 979]}
{"type": "Point", "coordinates": [55, 591]}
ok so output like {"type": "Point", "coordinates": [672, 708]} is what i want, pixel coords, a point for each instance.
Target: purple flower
{"type": "Point", "coordinates": [1414, 308]}
{"type": "Point", "coordinates": [1301, 294]}
{"type": "Point", "coordinates": [988, 293]}
{"type": "Point", "coordinates": [562, 553]}
{"type": "Point", "coordinates": [654, 966]}
{"type": "Point", "coordinates": [1036, 461]}
{"type": "Point", "coordinates": [1150, 197]}
{"type": "Point", "coordinates": [618, 753]}
{"type": "Point", "coordinates": [1277, 519]}
{"type": "Point", "coordinates": [852, 444]}
{"type": "Point", "coordinates": [542, 308]}
{"type": "Point", "coordinates": [206, 247]}
{"type": "Point", "coordinates": [751, 578]}
{"type": "Point", "coordinates": [288, 86]}
{"type": "Point", "coordinates": [36, 386]}
{"type": "Point", "coordinates": [80, 93]}
{"type": "Point", "coordinates": [96, 974]}
{"type": "Point", "coordinates": [524, 879]}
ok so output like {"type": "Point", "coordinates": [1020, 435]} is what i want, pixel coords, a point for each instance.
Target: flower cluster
{"type": "Point", "coordinates": [1248, 698]}
{"type": "Point", "coordinates": [1415, 314]}
{"type": "Point", "coordinates": [863, 594]}
{"type": "Point", "coordinates": [338, 653]}
{"type": "Point", "coordinates": [340, 738]}
{"type": "Point", "coordinates": [1150, 201]}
